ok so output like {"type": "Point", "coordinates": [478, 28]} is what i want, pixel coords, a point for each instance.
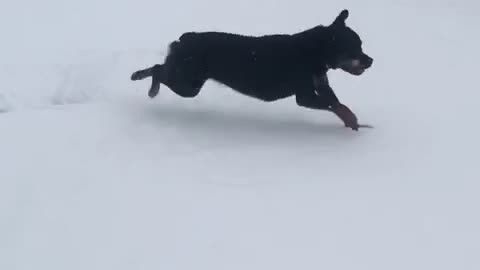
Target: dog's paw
{"type": "Point", "coordinates": [154, 89]}
{"type": "Point", "coordinates": [136, 76]}
{"type": "Point", "coordinates": [141, 74]}
{"type": "Point", "coordinates": [347, 116]}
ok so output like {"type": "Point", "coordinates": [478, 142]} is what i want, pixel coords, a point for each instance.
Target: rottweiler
{"type": "Point", "coordinates": [267, 68]}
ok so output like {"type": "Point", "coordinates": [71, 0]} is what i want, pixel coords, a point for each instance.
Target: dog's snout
{"type": "Point", "coordinates": [368, 61]}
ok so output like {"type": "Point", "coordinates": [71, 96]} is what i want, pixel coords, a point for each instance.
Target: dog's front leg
{"type": "Point", "coordinates": [320, 96]}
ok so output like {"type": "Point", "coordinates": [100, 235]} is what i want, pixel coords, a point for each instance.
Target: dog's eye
{"type": "Point", "coordinates": [355, 54]}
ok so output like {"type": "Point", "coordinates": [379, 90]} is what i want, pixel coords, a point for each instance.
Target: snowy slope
{"type": "Point", "coordinates": [94, 175]}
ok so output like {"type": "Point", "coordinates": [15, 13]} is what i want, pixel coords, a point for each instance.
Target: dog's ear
{"type": "Point", "coordinates": [340, 20]}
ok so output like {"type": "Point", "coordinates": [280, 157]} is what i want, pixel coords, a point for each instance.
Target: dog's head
{"type": "Point", "coordinates": [348, 55]}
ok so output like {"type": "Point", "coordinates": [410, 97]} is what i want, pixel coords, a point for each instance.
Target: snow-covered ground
{"type": "Point", "coordinates": [95, 175]}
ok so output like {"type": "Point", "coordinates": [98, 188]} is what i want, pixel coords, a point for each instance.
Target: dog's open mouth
{"type": "Point", "coordinates": [354, 67]}
{"type": "Point", "coordinates": [359, 70]}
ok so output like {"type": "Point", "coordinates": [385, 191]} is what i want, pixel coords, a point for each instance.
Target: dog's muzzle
{"type": "Point", "coordinates": [356, 66]}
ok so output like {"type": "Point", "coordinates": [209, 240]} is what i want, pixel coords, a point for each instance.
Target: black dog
{"type": "Point", "coordinates": [268, 68]}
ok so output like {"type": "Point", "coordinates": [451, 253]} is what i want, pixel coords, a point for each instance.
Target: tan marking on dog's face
{"type": "Point", "coordinates": [356, 63]}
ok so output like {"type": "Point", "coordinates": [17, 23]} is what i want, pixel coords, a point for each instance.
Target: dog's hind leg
{"type": "Point", "coordinates": [186, 89]}
{"type": "Point", "coordinates": [142, 74]}
{"type": "Point", "coordinates": [157, 78]}
{"type": "Point", "coordinates": [184, 79]}
{"type": "Point", "coordinates": [156, 72]}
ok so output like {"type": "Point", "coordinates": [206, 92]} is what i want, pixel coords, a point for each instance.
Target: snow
{"type": "Point", "coordinates": [95, 175]}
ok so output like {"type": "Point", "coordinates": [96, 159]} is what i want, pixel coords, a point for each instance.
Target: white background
{"type": "Point", "coordinates": [95, 175]}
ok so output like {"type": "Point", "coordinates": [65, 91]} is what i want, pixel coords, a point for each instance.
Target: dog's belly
{"type": "Point", "coordinates": [267, 80]}
{"type": "Point", "coordinates": [258, 87]}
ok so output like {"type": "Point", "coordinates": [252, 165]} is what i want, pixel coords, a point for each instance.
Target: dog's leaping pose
{"type": "Point", "coordinates": [268, 68]}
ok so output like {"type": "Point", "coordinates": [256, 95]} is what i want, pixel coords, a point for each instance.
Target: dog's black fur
{"type": "Point", "coordinates": [268, 68]}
